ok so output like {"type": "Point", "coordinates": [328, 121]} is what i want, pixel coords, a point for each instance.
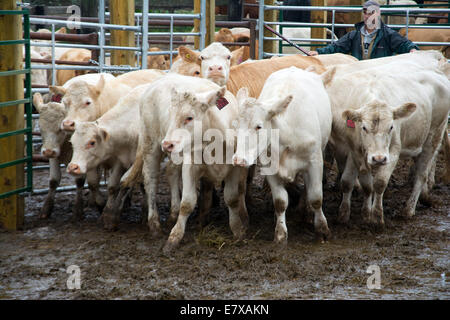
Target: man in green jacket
{"type": "Point", "coordinates": [371, 39]}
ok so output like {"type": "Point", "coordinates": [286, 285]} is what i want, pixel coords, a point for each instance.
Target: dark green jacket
{"type": "Point", "coordinates": [387, 43]}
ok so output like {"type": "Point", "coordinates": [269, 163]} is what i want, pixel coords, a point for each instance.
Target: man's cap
{"type": "Point", "coordinates": [369, 3]}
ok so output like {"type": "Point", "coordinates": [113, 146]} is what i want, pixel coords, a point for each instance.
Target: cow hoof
{"type": "Point", "coordinates": [280, 241]}
{"type": "Point", "coordinates": [169, 247]}
{"type": "Point", "coordinates": [154, 230]}
{"type": "Point", "coordinates": [344, 214]}
{"type": "Point", "coordinates": [46, 210]}
{"type": "Point", "coordinates": [407, 213]}
{"type": "Point", "coordinates": [77, 213]}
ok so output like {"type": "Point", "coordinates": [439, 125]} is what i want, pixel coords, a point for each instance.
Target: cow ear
{"type": "Point", "coordinates": [210, 98]}
{"type": "Point", "coordinates": [242, 95]}
{"type": "Point", "coordinates": [353, 115]}
{"type": "Point", "coordinates": [104, 135]}
{"type": "Point", "coordinates": [279, 106]}
{"type": "Point", "coordinates": [55, 90]}
{"type": "Point", "coordinates": [62, 30]}
{"type": "Point", "coordinates": [38, 102]}
{"type": "Point", "coordinates": [97, 89]}
{"type": "Point", "coordinates": [327, 76]}
{"type": "Point", "coordinates": [404, 110]}
{"type": "Point", "coordinates": [188, 55]}
{"type": "Point", "coordinates": [237, 56]}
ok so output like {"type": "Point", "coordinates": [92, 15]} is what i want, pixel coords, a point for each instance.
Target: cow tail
{"type": "Point", "coordinates": [132, 176]}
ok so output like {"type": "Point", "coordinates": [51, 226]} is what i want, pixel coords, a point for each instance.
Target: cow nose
{"type": "Point", "coordinates": [168, 146]}
{"type": "Point", "coordinates": [48, 153]}
{"type": "Point", "coordinates": [73, 168]}
{"type": "Point", "coordinates": [379, 159]}
{"type": "Point", "coordinates": [69, 125]}
{"type": "Point", "coordinates": [215, 68]}
{"type": "Point", "coordinates": [239, 162]}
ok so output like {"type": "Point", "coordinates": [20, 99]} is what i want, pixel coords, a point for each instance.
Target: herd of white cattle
{"type": "Point", "coordinates": [367, 114]}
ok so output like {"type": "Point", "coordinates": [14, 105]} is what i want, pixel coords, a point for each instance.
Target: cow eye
{"type": "Point", "coordinates": [91, 144]}
{"type": "Point", "coordinates": [390, 129]}
{"type": "Point", "coordinates": [88, 103]}
{"type": "Point", "coordinates": [258, 127]}
{"type": "Point", "coordinates": [202, 58]}
{"type": "Point", "coordinates": [229, 57]}
{"type": "Point", "coordinates": [197, 73]}
{"type": "Point", "coordinates": [364, 128]}
{"type": "Point", "coordinates": [188, 119]}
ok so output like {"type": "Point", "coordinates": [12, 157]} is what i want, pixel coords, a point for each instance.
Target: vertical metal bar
{"type": "Point", "coordinates": [407, 22]}
{"type": "Point", "coordinates": [101, 20]}
{"type": "Point", "coordinates": [202, 24]}
{"type": "Point", "coordinates": [171, 39]}
{"type": "Point", "coordinates": [261, 30]}
{"type": "Point", "coordinates": [53, 56]}
{"type": "Point", "coordinates": [144, 33]}
{"type": "Point", "coordinates": [28, 106]}
{"type": "Point", "coordinates": [332, 25]}
{"type": "Point", "coordinates": [138, 55]}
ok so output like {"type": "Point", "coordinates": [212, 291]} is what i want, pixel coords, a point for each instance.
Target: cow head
{"type": "Point", "coordinates": [188, 110]}
{"type": "Point", "coordinates": [212, 63]}
{"type": "Point", "coordinates": [188, 64]}
{"type": "Point", "coordinates": [51, 115]}
{"type": "Point", "coordinates": [255, 116]}
{"type": "Point", "coordinates": [376, 123]}
{"type": "Point", "coordinates": [82, 102]}
{"type": "Point", "coordinates": [88, 143]}
{"type": "Point", "coordinates": [158, 61]}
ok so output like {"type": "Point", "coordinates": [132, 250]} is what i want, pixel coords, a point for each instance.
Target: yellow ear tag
{"type": "Point", "coordinates": [188, 55]}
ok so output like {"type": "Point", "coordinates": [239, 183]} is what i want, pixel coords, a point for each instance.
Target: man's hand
{"type": "Point", "coordinates": [313, 53]}
{"type": "Point", "coordinates": [412, 50]}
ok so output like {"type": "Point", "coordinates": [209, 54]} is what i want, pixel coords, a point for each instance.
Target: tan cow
{"type": "Point", "coordinates": [157, 61]}
{"type": "Point", "coordinates": [78, 55]}
{"type": "Point", "coordinates": [430, 35]}
{"type": "Point", "coordinates": [250, 75]}
{"type": "Point", "coordinates": [378, 127]}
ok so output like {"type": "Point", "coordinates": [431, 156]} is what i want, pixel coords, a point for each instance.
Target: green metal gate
{"type": "Point", "coordinates": [27, 101]}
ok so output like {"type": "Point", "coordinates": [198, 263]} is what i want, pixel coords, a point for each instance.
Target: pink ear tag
{"type": "Point", "coordinates": [56, 98]}
{"type": "Point", "coordinates": [222, 102]}
{"type": "Point", "coordinates": [350, 124]}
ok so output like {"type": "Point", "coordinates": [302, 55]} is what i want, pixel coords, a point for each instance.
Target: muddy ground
{"type": "Point", "coordinates": [413, 256]}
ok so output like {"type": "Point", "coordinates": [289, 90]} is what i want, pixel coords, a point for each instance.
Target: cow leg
{"type": "Point", "coordinates": [144, 204]}
{"type": "Point", "coordinates": [150, 170]}
{"type": "Point", "coordinates": [425, 197]}
{"type": "Point", "coordinates": [55, 179]}
{"type": "Point", "coordinates": [423, 167]}
{"type": "Point", "coordinates": [111, 212]}
{"type": "Point", "coordinates": [380, 182]}
{"type": "Point", "coordinates": [205, 200]}
{"type": "Point", "coordinates": [365, 177]}
{"type": "Point", "coordinates": [347, 182]}
{"type": "Point", "coordinates": [446, 142]}
{"type": "Point", "coordinates": [173, 175]}
{"type": "Point", "coordinates": [95, 197]}
{"type": "Point", "coordinates": [188, 202]}
{"type": "Point", "coordinates": [313, 183]}
{"type": "Point", "coordinates": [234, 197]}
{"type": "Point", "coordinates": [280, 200]}
{"type": "Point", "coordinates": [78, 207]}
